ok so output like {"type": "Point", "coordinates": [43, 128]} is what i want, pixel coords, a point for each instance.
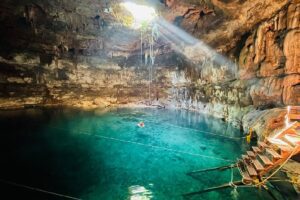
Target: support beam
{"type": "Point", "coordinates": [226, 185]}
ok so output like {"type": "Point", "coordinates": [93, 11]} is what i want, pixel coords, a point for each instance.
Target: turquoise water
{"type": "Point", "coordinates": [103, 154]}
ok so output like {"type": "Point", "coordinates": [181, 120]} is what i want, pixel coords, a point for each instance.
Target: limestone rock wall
{"type": "Point", "coordinates": [70, 52]}
{"type": "Point", "coordinates": [29, 85]}
{"type": "Point", "coordinates": [267, 73]}
{"type": "Point", "coordinates": [271, 54]}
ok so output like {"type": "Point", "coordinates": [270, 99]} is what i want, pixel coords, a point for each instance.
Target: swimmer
{"type": "Point", "coordinates": [141, 124]}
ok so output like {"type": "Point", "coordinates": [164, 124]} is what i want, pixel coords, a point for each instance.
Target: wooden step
{"type": "Point", "coordinates": [295, 109]}
{"type": "Point", "coordinates": [277, 141]}
{"type": "Point", "coordinates": [258, 166]}
{"type": "Point", "coordinates": [290, 131]}
{"type": "Point", "coordinates": [293, 139]}
{"type": "Point", "coordinates": [251, 154]}
{"type": "Point", "coordinates": [243, 171]}
{"type": "Point", "coordinates": [285, 148]}
{"type": "Point", "coordinates": [294, 116]}
{"type": "Point", "coordinates": [273, 153]}
{"type": "Point", "coordinates": [262, 145]}
{"type": "Point", "coordinates": [288, 141]}
{"type": "Point", "coordinates": [245, 157]}
{"type": "Point", "coordinates": [250, 169]}
{"type": "Point", "coordinates": [280, 144]}
{"type": "Point", "coordinates": [246, 176]}
{"type": "Point", "coordinates": [256, 149]}
{"type": "Point", "coordinates": [265, 160]}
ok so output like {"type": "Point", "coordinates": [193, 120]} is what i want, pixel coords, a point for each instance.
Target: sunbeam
{"type": "Point", "coordinates": [193, 49]}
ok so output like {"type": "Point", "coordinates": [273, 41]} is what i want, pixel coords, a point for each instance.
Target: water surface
{"type": "Point", "coordinates": [103, 154]}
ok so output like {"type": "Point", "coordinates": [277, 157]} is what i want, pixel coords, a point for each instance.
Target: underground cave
{"type": "Point", "coordinates": [150, 99]}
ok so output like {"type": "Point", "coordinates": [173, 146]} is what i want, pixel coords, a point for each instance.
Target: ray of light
{"type": "Point", "coordinates": [192, 48]}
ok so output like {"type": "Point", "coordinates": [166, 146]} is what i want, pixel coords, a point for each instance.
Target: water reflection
{"type": "Point", "coordinates": [137, 192]}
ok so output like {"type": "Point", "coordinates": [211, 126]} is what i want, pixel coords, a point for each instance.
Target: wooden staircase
{"type": "Point", "coordinates": [270, 154]}
{"type": "Point", "coordinates": [265, 159]}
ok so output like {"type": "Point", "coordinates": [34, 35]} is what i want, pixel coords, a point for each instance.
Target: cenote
{"type": "Point", "coordinates": [103, 154]}
{"type": "Point", "coordinates": [150, 99]}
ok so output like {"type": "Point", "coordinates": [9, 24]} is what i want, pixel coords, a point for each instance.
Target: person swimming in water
{"type": "Point", "coordinates": [141, 124]}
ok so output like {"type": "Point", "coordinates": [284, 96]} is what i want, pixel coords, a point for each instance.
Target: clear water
{"type": "Point", "coordinates": [103, 154]}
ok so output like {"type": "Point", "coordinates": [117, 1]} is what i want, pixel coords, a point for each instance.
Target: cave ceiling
{"type": "Point", "coordinates": [95, 30]}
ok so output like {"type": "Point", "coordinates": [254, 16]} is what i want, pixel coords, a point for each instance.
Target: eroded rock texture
{"type": "Point", "coordinates": [271, 54]}
{"type": "Point", "coordinates": [77, 53]}
{"type": "Point", "coordinates": [267, 50]}
{"type": "Point", "coordinates": [69, 52]}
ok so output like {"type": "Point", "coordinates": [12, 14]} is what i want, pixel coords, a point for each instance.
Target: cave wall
{"type": "Point", "coordinates": [268, 74]}
{"type": "Point", "coordinates": [30, 85]}
{"type": "Point", "coordinates": [72, 53]}
{"type": "Point", "coordinates": [272, 51]}
{"type": "Point", "coordinates": [75, 53]}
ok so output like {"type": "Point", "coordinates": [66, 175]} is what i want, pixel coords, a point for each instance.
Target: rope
{"type": "Point", "coordinates": [37, 189]}
{"type": "Point", "coordinates": [207, 132]}
{"type": "Point", "coordinates": [231, 180]}
{"type": "Point", "coordinates": [289, 181]}
{"type": "Point", "coordinates": [280, 166]}
{"type": "Point", "coordinates": [148, 145]}
{"type": "Point", "coordinates": [195, 130]}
